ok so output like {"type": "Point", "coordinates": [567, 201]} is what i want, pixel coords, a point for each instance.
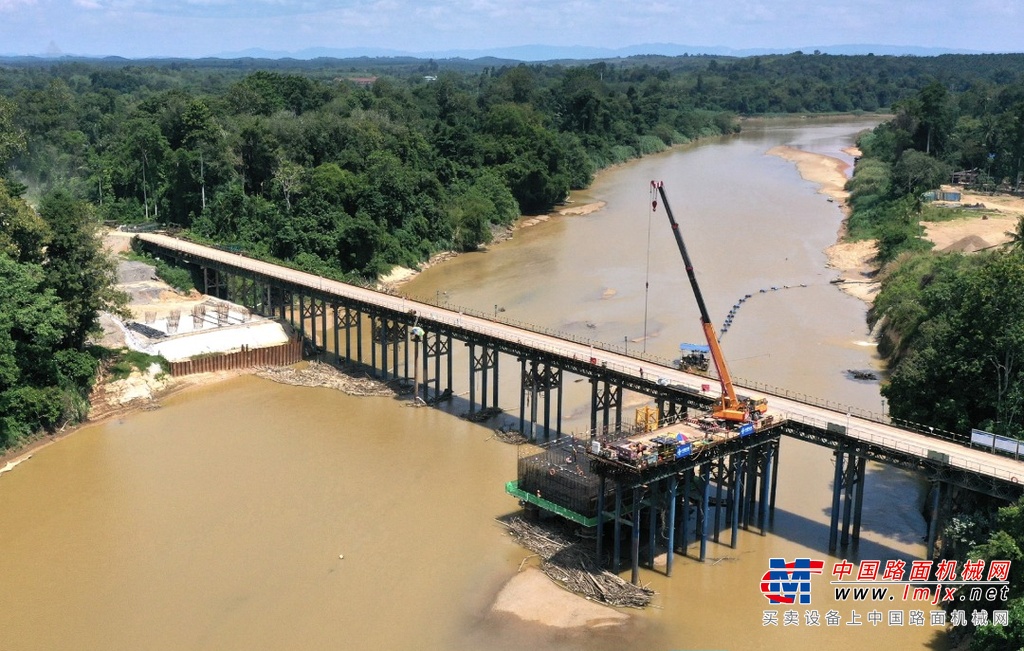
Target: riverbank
{"type": "Point", "coordinates": [399, 276]}
{"type": "Point", "coordinates": [117, 399]}
{"type": "Point", "coordinates": [854, 261]}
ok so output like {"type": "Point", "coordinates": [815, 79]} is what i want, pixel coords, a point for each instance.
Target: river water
{"type": "Point", "coordinates": [217, 521]}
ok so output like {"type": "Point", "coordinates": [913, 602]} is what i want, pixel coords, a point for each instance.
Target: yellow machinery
{"type": "Point", "coordinates": [646, 419]}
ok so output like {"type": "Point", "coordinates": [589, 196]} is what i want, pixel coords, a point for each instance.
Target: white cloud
{"type": "Point", "coordinates": [13, 5]}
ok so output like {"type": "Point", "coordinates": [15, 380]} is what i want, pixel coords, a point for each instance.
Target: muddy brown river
{"type": "Point", "coordinates": [218, 521]}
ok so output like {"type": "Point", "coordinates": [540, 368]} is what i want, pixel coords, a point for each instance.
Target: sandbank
{"type": "Point", "coordinates": [532, 597]}
{"type": "Point", "coordinates": [827, 172]}
{"type": "Point", "coordinates": [855, 261]}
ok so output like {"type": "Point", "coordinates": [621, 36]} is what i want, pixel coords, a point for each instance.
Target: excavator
{"type": "Point", "coordinates": [729, 408]}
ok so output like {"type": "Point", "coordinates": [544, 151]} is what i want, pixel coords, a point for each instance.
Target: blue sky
{"type": "Point", "coordinates": [136, 28]}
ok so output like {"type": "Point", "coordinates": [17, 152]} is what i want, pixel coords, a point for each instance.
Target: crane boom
{"type": "Point", "coordinates": [730, 408]}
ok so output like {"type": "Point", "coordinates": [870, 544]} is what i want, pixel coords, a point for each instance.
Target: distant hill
{"type": "Point", "coordinates": [505, 55]}
{"type": "Point", "coordinates": [581, 52]}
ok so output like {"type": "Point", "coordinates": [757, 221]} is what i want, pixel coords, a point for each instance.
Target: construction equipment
{"type": "Point", "coordinates": [729, 407]}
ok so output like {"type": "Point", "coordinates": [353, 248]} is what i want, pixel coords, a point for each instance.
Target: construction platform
{"type": "Point", "coordinates": [683, 441]}
{"type": "Point", "coordinates": [564, 476]}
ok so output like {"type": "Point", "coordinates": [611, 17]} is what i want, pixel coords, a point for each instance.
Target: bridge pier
{"type": "Point", "coordinates": [669, 410]}
{"type": "Point", "coordinates": [605, 396]}
{"type": "Point", "coordinates": [847, 493]}
{"type": "Point", "coordinates": [617, 529]}
{"type": "Point", "coordinates": [601, 487]}
{"type": "Point", "coordinates": [702, 515]}
{"type": "Point", "coordinates": [719, 475]}
{"type": "Point", "coordinates": [737, 470]}
{"type": "Point", "coordinates": [673, 486]}
{"type": "Point", "coordinates": [652, 521]}
{"type": "Point", "coordinates": [485, 361]}
{"type": "Point", "coordinates": [939, 495]}
{"type": "Point", "coordinates": [684, 529]}
{"type": "Point", "coordinates": [214, 283]}
{"type": "Point", "coordinates": [311, 311]}
{"type": "Point", "coordinates": [543, 377]}
{"type": "Point", "coordinates": [435, 346]}
{"type": "Point", "coordinates": [634, 547]}
{"type": "Point", "coordinates": [386, 332]}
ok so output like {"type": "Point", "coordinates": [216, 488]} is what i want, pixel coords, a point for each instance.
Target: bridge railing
{"type": "Point", "coordinates": [497, 317]}
{"type": "Point", "coordinates": [246, 262]}
{"type": "Point", "coordinates": [911, 448]}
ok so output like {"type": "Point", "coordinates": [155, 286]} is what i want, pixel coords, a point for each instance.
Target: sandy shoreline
{"type": "Point", "coordinates": [399, 276]}
{"type": "Point", "coordinates": [853, 260]}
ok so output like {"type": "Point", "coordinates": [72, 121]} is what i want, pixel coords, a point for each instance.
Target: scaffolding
{"type": "Point", "coordinates": [559, 473]}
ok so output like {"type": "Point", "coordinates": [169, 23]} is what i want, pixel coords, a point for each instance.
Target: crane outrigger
{"type": "Point", "coordinates": [729, 407]}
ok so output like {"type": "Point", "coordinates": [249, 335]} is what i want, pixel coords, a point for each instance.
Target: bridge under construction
{"type": "Point", "coordinates": [669, 466]}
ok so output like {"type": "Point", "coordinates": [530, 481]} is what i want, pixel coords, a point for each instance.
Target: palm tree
{"type": "Point", "coordinates": [1016, 242]}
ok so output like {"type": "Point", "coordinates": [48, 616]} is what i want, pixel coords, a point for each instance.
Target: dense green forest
{"type": "Point", "coordinates": [346, 168]}
{"type": "Point", "coordinates": [54, 279]}
{"type": "Point", "coordinates": [349, 167]}
{"type": "Point", "coordinates": [952, 324]}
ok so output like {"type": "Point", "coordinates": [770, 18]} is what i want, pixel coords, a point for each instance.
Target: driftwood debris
{"type": "Point", "coordinates": [481, 415]}
{"type": "Point", "coordinates": [318, 374]}
{"type": "Point", "coordinates": [510, 436]}
{"type": "Point", "coordinates": [573, 567]}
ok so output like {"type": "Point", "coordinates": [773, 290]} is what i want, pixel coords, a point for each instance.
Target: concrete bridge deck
{"type": "Point", "coordinates": [636, 373]}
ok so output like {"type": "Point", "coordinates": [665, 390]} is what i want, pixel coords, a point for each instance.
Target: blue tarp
{"type": "Point", "coordinates": [694, 348]}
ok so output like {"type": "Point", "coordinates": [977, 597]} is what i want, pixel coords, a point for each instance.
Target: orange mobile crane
{"type": "Point", "coordinates": [729, 407]}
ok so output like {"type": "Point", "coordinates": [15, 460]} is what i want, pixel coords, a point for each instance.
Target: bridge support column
{"type": "Point", "coordinates": [311, 311]}
{"type": "Point", "coordinates": [767, 480]}
{"type": "Point", "coordinates": [859, 498]}
{"type": "Point", "coordinates": [737, 470]}
{"type": "Point", "coordinates": [605, 396]}
{"type": "Point", "coordinates": [684, 523]}
{"type": "Point", "coordinates": [837, 491]}
{"type": "Point", "coordinates": [673, 486]}
{"type": "Point", "coordinates": [617, 543]}
{"type": "Point", "coordinates": [634, 547]}
{"type": "Point", "coordinates": [288, 307]}
{"type": "Point", "coordinates": [337, 335]}
{"type": "Point", "coordinates": [485, 361]}
{"type": "Point", "coordinates": [669, 411]}
{"type": "Point", "coordinates": [387, 333]}
{"type": "Point", "coordinates": [540, 377]}
{"type": "Point", "coordinates": [359, 337]}
{"type": "Point", "coordinates": [847, 494]}
{"type": "Point", "coordinates": [652, 521]}
{"type": "Point", "coordinates": [939, 491]}
{"type": "Point", "coordinates": [323, 310]}
{"type": "Point", "coordinates": [719, 485]}
{"type": "Point", "coordinates": [750, 485]}
{"type": "Point", "coordinates": [775, 482]}
{"type": "Point", "coordinates": [214, 283]}
{"type": "Point", "coordinates": [705, 472]}
{"type": "Point", "coordinates": [436, 345]}
{"type": "Point", "coordinates": [399, 335]}
{"type": "Point", "coordinates": [600, 520]}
